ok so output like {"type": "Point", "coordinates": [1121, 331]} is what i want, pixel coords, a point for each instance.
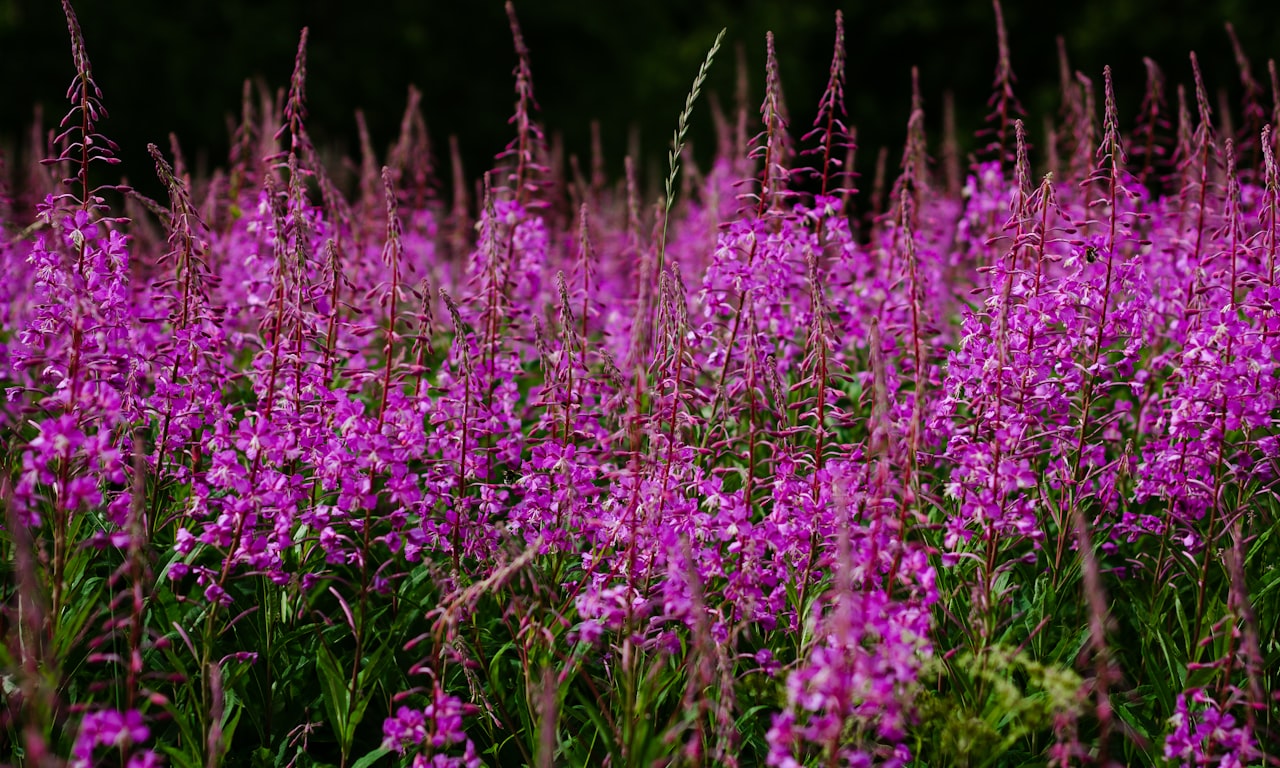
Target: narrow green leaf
{"type": "Point", "coordinates": [337, 698]}
{"type": "Point", "coordinates": [371, 758]}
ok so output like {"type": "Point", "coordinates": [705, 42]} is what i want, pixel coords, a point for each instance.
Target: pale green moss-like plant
{"type": "Point", "coordinates": [984, 705]}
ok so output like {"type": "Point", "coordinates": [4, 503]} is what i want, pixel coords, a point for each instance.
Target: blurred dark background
{"type": "Point", "coordinates": [178, 67]}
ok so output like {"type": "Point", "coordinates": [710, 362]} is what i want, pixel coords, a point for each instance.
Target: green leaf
{"type": "Point", "coordinates": [602, 729]}
{"type": "Point", "coordinates": [82, 603]}
{"type": "Point", "coordinates": [337, 696]}
{"type": "Point", "coordinates": [1125, 713]}
{"type": "Point", "coordinates": [180, 759]}
{"type": "Point", "coordinates": [371, 758]}
{"type": "Point", "coordinates": [232, 711]}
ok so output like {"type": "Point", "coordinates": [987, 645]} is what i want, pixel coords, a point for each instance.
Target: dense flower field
{"type": "Point", "coordinates": [746, 468]}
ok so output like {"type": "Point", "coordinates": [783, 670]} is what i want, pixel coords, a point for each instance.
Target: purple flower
{"type": "Point", "coordinates": [1207, 734]}
{"type": "Point", "coordinates": [431, 733]}
{"type": "Point", "coordinates": [109, 727]}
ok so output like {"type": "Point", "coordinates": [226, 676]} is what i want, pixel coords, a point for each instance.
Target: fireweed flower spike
{"type": "Point", "coordinates": [757, 473]}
